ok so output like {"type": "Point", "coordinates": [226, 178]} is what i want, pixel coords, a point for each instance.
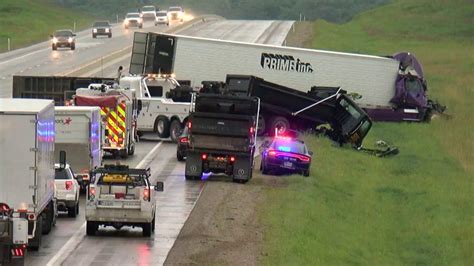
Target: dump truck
{"type": "Point", "coordinates": [79, 134]}
{"type": "Point", "coordinates": [391, 88]}
{"type": "Point", "coordinates": [27, 134]}
{"type": "Point", "coordinates": [283, 108]}
{"type": "Point", "coordinates": [222, 136]}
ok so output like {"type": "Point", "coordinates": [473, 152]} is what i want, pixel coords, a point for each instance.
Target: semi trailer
{"type": "Point", "coordinates": [391, 88]}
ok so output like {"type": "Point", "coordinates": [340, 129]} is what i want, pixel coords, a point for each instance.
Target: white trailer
{"type": "Point", "coordinates": [79, 134]}
{"type": "Point", "coordinates": [27, 164]}
{"type": "Point", "coordinates": [196, 59]}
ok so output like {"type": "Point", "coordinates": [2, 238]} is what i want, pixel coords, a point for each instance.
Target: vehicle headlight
{"type": "Point", "coordinates": [69, 39]}
{"type": "Point", "coordinates": [125, 22]}
{"type": "Point", "coordinates": [107, 30]}
{"type": "Point", "coordinates": [55, 40]}
{"type": "Point", "coordinates": [94, 30]}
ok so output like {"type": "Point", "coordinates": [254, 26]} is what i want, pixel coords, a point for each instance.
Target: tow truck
{"type": "Point", "coordinates": [121, 196]}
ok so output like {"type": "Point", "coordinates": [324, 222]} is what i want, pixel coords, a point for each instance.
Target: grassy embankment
{"type": "Point", "coordinates": [415, 208]}
{"type": "Point", "coordinates": [29, 21]}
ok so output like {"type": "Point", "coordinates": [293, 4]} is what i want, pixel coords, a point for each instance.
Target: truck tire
{"type": "Point", "coordinates": [175, 130]}
{"type": "Point", "coordinates": [54, 47]}
{"type": "Point", "coordinates": [279, 122]}
{"type": "Point", "coordinates": [162, 126]}
{"type": "Point", "coordinates": [72, 212]}
{"type": "Point", "coordinates": [146, 229]}
{"type": "Point", "coordinates": [153, 224]}
{"type": "Point", "coordinates": [131, 149]}
{"type": "Point", "coordinates": [35, 243]}
{"type": "Point", "coordinates": [123, 153]}
{"type": "Point", "coordinates": [179, 156]}
{"type": "Point", "coordinates": [73, 47]}
{"type": "Point", "coordinates": [48, 219]}
{"type": "Point", "coordinates": [91, 228]}
{"type": "Point", "coordinates": [94, 36]}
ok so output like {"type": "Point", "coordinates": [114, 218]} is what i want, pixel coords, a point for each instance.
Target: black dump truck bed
{"type": "Point", "coordinates": [57, 88]}
{"type": "Point", "coordinates": [223, 122]}
{"type": "Point", "coordinates": [349, 122]}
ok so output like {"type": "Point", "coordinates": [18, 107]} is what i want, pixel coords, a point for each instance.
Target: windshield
{"type": "Point", "coordinates": [62, 174]}
{"type": "Point", "coordinates": [289, 146]}
{"type": "Point", "coordinates": [175, 9]}
{"type": "Point", "coordinates": [101, 24]}
{"type": "Point", "coordinates": [351, 109]}
{"type": "Point", "coordinates": [63, 33]}
{"type": "Point", "coordinates": [133, 15]}
{"type": "Point", "coordinates": [148, 8]}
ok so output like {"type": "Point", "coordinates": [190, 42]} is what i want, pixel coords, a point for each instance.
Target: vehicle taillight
{"type": "Point", "coordinates": [91, 192]}
{"type": "Point", "coordinates": [69, 185]}
{"type": "Point", "coordinates": [232, 159]}
{"type": "Point", "coordinates": [146, 194]}
{"type": "Point", "coordinates": [190, 124]}
{"type": "Point", "coordinates": [183, 140]}
{"type": "Point", "coordinates": [272, 153]}
{"type": "Point", "coordinates": [31, 216]}
{"type": "Point", "coordinates": [252, 130]}
{"type": "Point", "coordinates": [204, 156]}
{"type": "Point", "coordinates": [18, 252]}
{"type": "Point", "coordinates": [303, 158]}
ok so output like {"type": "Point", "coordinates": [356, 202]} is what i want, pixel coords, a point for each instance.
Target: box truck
{"type": "Point", "coordinates": [79, 134]}
{"type": "Point", "coordinates": [27, 134]}
{"type": "Point", "coordinates": [390, 88]}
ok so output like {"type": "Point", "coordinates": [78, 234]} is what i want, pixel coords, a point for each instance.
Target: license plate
{"type": "Point", "coordinates": [288, 164]}
{"type": "Point", "coordinates": [106, 203]}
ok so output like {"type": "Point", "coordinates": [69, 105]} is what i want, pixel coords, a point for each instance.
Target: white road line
{"type": "Point", "coordinates": [79, 235]}
{"type": "Point", "coordinates": [19, 57]}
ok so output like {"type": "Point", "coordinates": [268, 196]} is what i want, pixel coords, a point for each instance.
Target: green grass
{"type": "Point", "coordinates": [414, 208]}
{"type": "Point", "coordinates": [29, 21]}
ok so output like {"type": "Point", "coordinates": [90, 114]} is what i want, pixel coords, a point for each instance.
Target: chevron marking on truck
{"type": "Point", "coordinates": [115, 122]}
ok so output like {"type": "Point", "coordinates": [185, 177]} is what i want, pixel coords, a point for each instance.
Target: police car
{"type": "Point", "coordinates": [285, 154]}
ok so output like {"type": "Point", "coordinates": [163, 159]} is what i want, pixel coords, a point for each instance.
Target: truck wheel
{"type": "Point", "coordinates": [91, 228]}
{"type": "Point", "coordinates": [131, 149]}
{"type": "Point", "coordinates": [48, 219]}
{"type": "Point", "coordinates": [36, 241]}
{"type": "Point", "coordinates": [110, 35]}
{"type": "Point", "coordinates": [279, 122]}
{"type": "Point", "coordinates": [73, 47]}
{"type": "Point", "coordinates": [179, 156]}
{"type": "Point", "coordinates": [123, 153]}
{"type": "Point", "coordinates": [175, 130]}
{"type": "Point", "coordinates": [162, 126]}
{"type": "Point", "coordinates": [72, 211]}
{"type": "Point", "coordinates": [54, 47]}
{"type": "Point", "coordinates": [153, 224]}
{"type": "Point", "coordinates": [146, 229]}
{"type": "Point", "coordinates": [94, 36]}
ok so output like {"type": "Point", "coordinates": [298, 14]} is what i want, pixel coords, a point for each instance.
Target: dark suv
{"type": "Point", "coordinates": [63, 38]}
{"type": "Point", "coordinates": [101, 28]}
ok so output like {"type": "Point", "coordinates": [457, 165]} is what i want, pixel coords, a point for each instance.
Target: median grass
{"type": "Point", "coordinates": [27, 22]}
{"type": "Point", "coordinates": [414, 208]}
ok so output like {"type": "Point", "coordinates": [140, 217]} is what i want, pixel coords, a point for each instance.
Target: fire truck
{"type": "Point", "coordinates": [119, 111]}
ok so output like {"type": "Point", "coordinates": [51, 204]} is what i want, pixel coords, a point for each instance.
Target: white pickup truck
{"type": "Point", "coordinates": [119, 196]}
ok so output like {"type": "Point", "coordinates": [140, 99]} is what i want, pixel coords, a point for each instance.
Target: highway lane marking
{"type": "Point", "coordinates": [22, 56]}
{"type": "Point", "coordinates": [79, 235]}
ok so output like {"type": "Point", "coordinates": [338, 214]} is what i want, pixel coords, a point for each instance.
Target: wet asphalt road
{"type": "Point", "coordinates": [68, 244]}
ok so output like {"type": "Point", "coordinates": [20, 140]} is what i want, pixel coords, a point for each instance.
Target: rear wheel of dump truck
{"type": "Point", "coordinates": [175, 130]}
{"type": "Point", "coordinates": [162, 126]}
{"type": "Point", "coordinates": [91, 228]}
{"type": "Point", "coordinates": [280, 123]}
{"type": "Point", "coordinates": [35, 243]}
{"type": "Point", "coordinates": [146, 229]}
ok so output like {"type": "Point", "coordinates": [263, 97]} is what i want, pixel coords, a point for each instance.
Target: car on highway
{"type": "Point", "coordinates": [67, 190]}
{"type": "Point", "coordinates": [63, 38]}
{"type": "Point", "coordinates": [133, 20]}
{"type": "Point", "coordinates": [176, 13]}
{"type": "Point", "coordinates": [148, 13]}
{"type": "Point", "coordinates": [183, 142]}
{"type": "Point", "coordinates": [162, 18]}
{"type": "Point", "coordinates": [101, 28]}
{"type": "Point", "coordinates": [121, 196]}
{"type": "Point", "coordinates": [285, 154]}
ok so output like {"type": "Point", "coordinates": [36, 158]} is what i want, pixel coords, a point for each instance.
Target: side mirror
{"type": "Point", "coordinates": [310, 153]}
{"type": "Point", "coordinates": [62, 159]}
{"type": "Point", "coordinates": [159, 186]}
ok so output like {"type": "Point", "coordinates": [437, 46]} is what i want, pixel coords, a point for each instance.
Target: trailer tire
{"type": "Point", "coordinates": [279, 122]}
{"type": "Point", "coordinates": [36, 243]}
{"type": "Point", "coordinates": [91, 228]}
{"type": "Point", "coordinates": [146, 229]}
{"type": "Point", "coordinates": [175, 130]}
{"type": "Point", "coordinates": [162, 126]}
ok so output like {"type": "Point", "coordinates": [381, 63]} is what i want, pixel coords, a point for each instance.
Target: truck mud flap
{"type": "Point", "coordinates": [242, 168]}
{"type": "Point", "coordinates": [193, 165]}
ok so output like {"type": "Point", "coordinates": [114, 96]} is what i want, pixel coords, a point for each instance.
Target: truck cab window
{"type": "Point", "coordinates": [155, 91]}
